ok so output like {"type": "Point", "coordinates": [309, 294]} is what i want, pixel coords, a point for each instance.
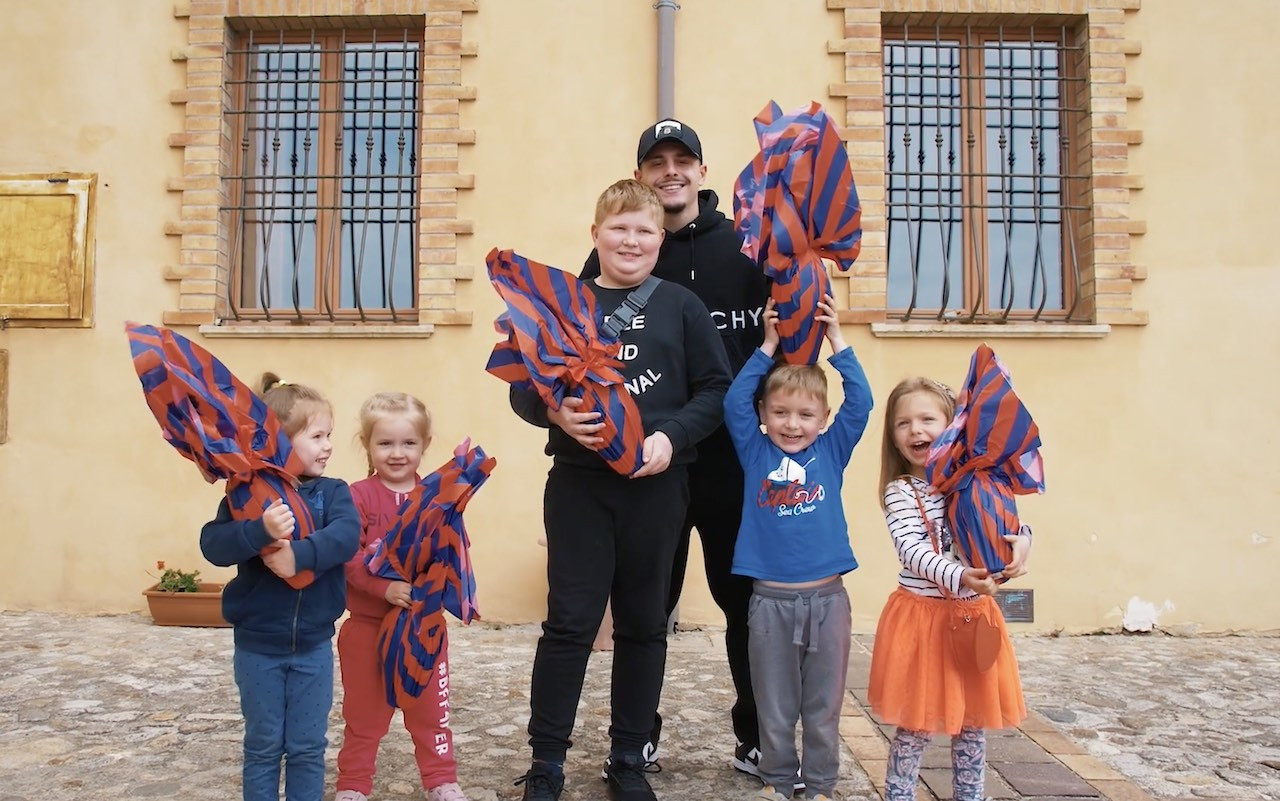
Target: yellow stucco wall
{"type": "Point", "coordinates": [1159, 440]}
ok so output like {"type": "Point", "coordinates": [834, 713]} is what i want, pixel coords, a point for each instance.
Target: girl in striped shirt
{"type": "Point", "coordinates": [916, 683]}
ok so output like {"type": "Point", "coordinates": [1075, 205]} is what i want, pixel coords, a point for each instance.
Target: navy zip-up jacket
{"type": "Point", "coordinates": [269, 616]}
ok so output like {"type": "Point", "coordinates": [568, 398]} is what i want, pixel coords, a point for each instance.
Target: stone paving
{"type": "Point", "coordinates": [1181, 716]}
{"type": "Point", "coordinates": [115, 707]}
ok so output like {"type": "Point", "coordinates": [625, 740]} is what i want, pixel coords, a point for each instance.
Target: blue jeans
{"type": "Point", "coordinates": [285, 700]}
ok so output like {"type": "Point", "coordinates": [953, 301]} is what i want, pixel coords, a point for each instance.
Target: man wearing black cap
{"type": "Point", "coordinates": [702, 252]}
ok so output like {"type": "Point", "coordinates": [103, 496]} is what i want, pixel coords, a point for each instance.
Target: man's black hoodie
{"type": "Point", "coordinates": [706, 256]}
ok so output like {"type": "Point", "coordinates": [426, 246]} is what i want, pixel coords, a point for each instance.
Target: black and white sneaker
{"type": "Point", "coordinates": [746, 759]}
{"type": "Point", "coordinates": [625, 781]}
{"type": "Point", "coordinates": [649, 767]}
{"type": "Point", "coordinates": [649, 752]}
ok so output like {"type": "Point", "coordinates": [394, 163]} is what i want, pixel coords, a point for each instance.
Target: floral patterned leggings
{"type": "Point", "coordinates": [968, 764]}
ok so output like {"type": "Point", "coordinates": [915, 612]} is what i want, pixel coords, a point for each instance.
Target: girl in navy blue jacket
{"type": "Point", "coordinates": [283, 654]}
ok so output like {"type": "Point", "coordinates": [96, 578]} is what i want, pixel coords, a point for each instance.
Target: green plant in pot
{"type": "Point", "coordinates": [179, 598]}
{"type": "Point", "coordinates": [174, 580]}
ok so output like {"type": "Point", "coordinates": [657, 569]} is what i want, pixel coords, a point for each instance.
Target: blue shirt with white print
{"type": "Point", "coordinates": [793, 526]}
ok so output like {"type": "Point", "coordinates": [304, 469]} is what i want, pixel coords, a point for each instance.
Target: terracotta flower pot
{"type": "Point", "coordinates": [202, 608]}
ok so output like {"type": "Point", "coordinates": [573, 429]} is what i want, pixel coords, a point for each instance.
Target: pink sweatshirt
{"type": "Point", "coordinates": [378, 508]}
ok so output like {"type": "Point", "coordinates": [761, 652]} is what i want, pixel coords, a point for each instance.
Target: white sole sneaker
{"type": "Point", "coordinates": [752, 769]}
{"type": "Point", "coordinates": [748, 764]}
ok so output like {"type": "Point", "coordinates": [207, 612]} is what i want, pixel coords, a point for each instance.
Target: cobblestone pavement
{"type": "Point", "coordinates": [1181, 716]}
{"type": "Point", "coordinates": [115, 707]}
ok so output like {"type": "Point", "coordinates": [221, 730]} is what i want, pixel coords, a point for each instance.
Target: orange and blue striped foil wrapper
{"type": "Point", "coordinates": [212, 418]}
{"type": "Point", "coordinates": [428, 548]}
{"type": "Point", "coordinates": [986, 456]}
{"type": "Point", "coordinates": [554, 346]}
{"type": "Point", "coordinates": [794, 205]}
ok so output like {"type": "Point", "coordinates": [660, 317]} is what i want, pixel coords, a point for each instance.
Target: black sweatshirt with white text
{"type": "Point", "coordinates": [706, 257]}
{"type": "Point", "coordinates": [673, 366]}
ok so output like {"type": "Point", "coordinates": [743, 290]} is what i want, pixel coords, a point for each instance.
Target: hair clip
{"type": "Point", "coordinates": [943, 388]}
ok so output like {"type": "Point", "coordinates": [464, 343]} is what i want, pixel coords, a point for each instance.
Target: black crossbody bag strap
{"type": "Point", "coordinates": [632, 305]}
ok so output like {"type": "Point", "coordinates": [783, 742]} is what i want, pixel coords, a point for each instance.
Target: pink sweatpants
{"type": "Point", "coordinates": [368, 715]}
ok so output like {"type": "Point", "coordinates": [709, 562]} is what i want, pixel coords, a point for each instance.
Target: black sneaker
{"type": "Point", "coordinates": [649, 767]}
{"type": "Point", "coordinates": [625, 781]}
{"type": "Point", "coordinates": [541, 784]}
{"type": "Point", "coordinates": [746, 759]}
{"type": "Point", "coordinates": [649, 752]}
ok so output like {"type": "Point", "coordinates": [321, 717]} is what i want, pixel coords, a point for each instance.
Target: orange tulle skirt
{"type": "Point", "coordinates": [915, 682]}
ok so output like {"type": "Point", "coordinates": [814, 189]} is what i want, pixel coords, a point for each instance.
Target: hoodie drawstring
{"type": "Point", "coordinates": [693, 262]}
{"type": "Point", "coordinates": [807, 609]}
{"type": "Point", "coordinates": [805, 619]}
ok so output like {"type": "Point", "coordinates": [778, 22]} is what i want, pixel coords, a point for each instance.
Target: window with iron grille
{"type": "Point", "coordinates": [985, 194]}
{"type": "Point", "coordinates": [323, 191]}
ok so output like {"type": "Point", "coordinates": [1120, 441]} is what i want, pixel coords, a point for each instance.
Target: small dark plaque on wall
{"type": "Point", "coordinates": [1018, 606]}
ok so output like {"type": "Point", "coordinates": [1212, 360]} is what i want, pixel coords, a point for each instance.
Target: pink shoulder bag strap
{"type": "Point", "coordinates": [975, 640]}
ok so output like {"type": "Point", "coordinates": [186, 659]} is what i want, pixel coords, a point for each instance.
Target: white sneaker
{"type": "Point", "coordinates": [446, 792]}
{"type": "Point", "coordinates": [350, 795]}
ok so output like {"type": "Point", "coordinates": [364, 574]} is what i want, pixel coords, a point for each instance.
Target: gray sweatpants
{"type": "Point", "coordinates": [799, 648]}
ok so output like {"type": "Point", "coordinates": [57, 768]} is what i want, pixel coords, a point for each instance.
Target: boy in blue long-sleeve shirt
{"type": "Point", "coordinates": [794, 542]}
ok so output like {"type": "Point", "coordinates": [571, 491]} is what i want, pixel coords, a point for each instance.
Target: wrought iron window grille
{"type": "Point", "coordinates": [322, 196]}
{"type": "Point", "coordinates": [985, 196]}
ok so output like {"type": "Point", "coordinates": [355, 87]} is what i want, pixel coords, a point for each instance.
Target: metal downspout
{"type": "Point", "coordinates": [666, 110]}
{"type": "Point", "coordinates": [666, 57]}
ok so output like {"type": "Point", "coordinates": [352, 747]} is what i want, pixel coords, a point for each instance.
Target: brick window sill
{"type": "Point", "coordinates": [317, 331]}
{"type": "Point", "coordinates": [935, 330]}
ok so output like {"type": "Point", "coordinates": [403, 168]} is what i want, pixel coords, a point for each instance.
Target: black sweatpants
{"type": "Point", "coordinates": [608, 536]}
{"type": "Point", "coordinates": [715, 509]}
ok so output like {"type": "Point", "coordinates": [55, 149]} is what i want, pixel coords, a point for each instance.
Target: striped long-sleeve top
{"type": "Point", "coordinates": [924, 570]}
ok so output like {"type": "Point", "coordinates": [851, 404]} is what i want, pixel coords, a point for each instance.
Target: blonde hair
{"type": "Point", "coordinates": [628, 195]}
{"type": "Point", "coordinates": [392, 404]}
{"type": "Point", "coordinates": [806, 379]}
{"type": "Point", "coordinates": [294, 405]}
{"type": "Point", "coordinates": [892, 463]}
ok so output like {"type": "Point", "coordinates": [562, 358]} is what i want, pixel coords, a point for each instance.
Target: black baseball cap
{"type": "Point", "coordinates": [668, 131]}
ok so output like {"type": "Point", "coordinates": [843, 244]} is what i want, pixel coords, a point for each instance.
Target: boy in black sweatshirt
{"type": "Point", "coordinates": [701, 251]}
{"type": "Point", "coordinates": [614, 536]}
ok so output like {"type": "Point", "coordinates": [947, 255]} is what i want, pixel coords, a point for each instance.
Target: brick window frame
{"type": "Point", "coordinates": [203, 232]}
{"type": "Point", "coordinates": [1105, 237]}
